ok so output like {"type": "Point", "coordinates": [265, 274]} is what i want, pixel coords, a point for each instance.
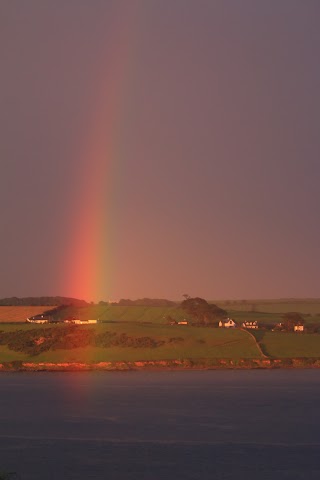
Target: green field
{"type": "Point", "coordinates": [289, 345]}
{"type": "Point", "coordinates": [110, 313]}
{"type": "Point", "coordinates": [262, 318]}
{"type": "Point", "coordinates": [193, 342]}
{"type": "Point", "coordinates": [158, 342]}
{"type": "Point", "coordinates": [280, 306]}
{"type": "Point", "coordinates": [142, 333]}
{"type": "Point", "coordinates": [159, 315]}
{"type": "Point", "coordinates": [20, 313]}
{"type": "Point", "coordinates": [268, 312]}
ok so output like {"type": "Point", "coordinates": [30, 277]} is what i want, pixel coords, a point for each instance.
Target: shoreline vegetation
{"type": "Point", "coordinates": [163, 365]}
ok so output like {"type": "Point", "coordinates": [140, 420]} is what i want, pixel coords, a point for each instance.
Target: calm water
{"type": "Point", "coordinates": [170, 425]}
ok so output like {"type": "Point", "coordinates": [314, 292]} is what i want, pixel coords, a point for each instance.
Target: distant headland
{"type": "Point", "coordinates": [70, 334]}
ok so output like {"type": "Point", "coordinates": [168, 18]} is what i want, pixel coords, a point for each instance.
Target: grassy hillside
{"type": "Point", "coordinates": [112, 313]}
{"type": "Point", "coordinates": [265, 312]}
{"type": "Point", "coordinates": [280, 306]}
{"type": "Point", "coordinates": [19, 314]}
{"type": "Point", "coordinates": [127, 342]}
{"type": "Point", "coordinates": [136, 341]}
{"type": "Point", "coordinates": [286, 345]}
{"type": "Point", "coordinates": [262, 318]}
{"type": "Point", "coordinates": [158, 315]}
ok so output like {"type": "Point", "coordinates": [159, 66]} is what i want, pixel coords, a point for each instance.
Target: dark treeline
{"type": "Point", "coordinates": [146, 302]}
{"type": "Point", "coordinates": [39, 301]}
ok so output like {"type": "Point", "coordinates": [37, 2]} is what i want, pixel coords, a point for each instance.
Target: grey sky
{"type": "Point", "coordinates": [213, 188]}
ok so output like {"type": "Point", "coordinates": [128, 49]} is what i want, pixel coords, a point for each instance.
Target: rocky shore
{"type": "Point", "coordinates": [179, 364]}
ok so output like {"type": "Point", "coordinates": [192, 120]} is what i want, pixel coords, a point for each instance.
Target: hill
{"type": "Point", "coordinates": [39, 301]}
{"type": "Point", "coordinates": [146, 302]}
{"type": "Point", "coordinates": [19, 314]}
{"type": "Point", "coordinates": [302, 305]}
{"type": "Point", "coordinates": [153, 314]}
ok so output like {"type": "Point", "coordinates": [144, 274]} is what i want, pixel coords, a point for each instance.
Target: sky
{"type": "Point", "coordinates": [152, 148]}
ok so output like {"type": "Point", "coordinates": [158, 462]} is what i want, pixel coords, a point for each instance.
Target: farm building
{"type": "Point", "coordinates": [77, 321]}
{"type": "Point", "coordinates": [40, 319]}
{"type": "Point", "coordinates": [298, 328]}
{"type": "Point", "coordinates": [228, 323]}
{"type": "Point", "coordinates": [250, 324]}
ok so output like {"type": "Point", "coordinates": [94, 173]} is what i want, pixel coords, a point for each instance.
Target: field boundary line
{"type": "Point", "coordinates": [256, 342]}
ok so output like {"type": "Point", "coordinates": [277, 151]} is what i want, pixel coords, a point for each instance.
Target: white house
{"type": "Point", "coordinates": [37, 320]}
{"type": "Point", "coordinates": [250, 324]}
{"type": "Point", "coordinates": [298, 328]}
{"type": "Point", "coordinates": [77, 321]}
{"type": "Point", "coordinates": [228, 323]}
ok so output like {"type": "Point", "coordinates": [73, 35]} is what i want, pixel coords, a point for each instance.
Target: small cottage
{"type": "Point", "coordinates": [37, 320]}
{"type": "Point", "coordinates": [250, 324]}
{"type": "Point", "coordinates": [298, 328]}
{"type": "Point", "coordinates": [228, 323]}
{"type": "Point", "coordinates": [77, 321]}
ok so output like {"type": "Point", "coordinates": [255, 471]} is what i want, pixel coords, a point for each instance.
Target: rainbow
{"type": "Point", "coordinates": [88, 265]}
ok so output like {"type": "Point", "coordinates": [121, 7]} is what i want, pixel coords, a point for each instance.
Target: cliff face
{"type": "Point", "coordinates": [181, 364]}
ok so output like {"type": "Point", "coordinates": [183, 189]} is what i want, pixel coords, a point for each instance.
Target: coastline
{"type": "Point", "coordinates": [164, 365]}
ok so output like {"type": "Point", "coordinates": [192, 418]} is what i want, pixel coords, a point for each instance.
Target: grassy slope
{"type": "Point", "coordinates": [20, 314]}
{"type": "Point", "coordinates": [272, 314]}
{"type": "Point", "coordinates": [289, 345]}
{"type": "Point", "coordinates": [307, 306]}
{"type": "Point", "coordinates": [123, 314]}
{"type": "Point", "coordinates": [197, 343]}
{"type": "Point", "coordinates": [268, 312]}
{"type": "Point", "coordinates": [267, 318]}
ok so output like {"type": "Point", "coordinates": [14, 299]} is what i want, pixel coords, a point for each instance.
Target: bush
{"type": "Point", "coordinates": [38, 340]}
{"type": "Point", "coordinates": [66, 337]}
{"type": "Point", "coordinates": [6, 475]}
{"type": "Point", "coordinates": [109, 339]}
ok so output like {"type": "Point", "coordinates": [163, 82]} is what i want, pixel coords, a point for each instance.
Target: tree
{"type": "Point", "coordinates": [291, 319]}
{"type": "Point", "coordinates": [202, 311]}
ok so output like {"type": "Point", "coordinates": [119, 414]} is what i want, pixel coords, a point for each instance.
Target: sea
{"type": "Point", "coordinates": [244, 424]}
